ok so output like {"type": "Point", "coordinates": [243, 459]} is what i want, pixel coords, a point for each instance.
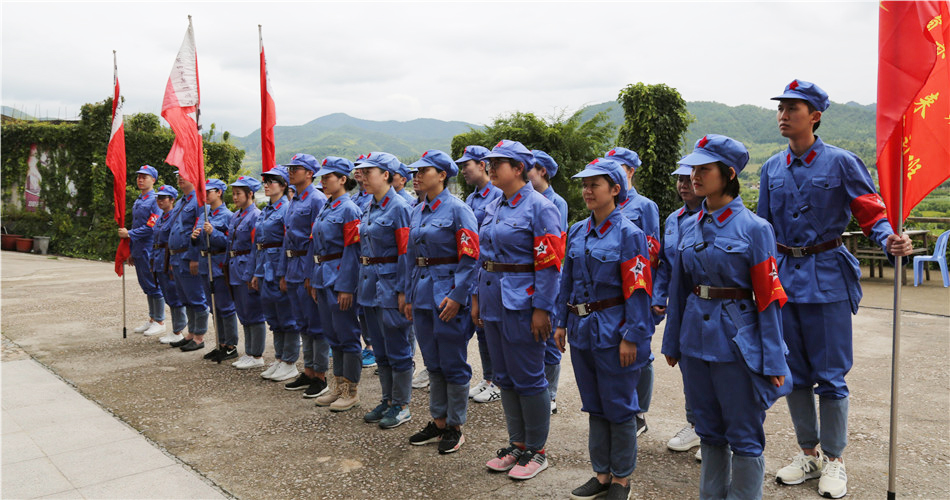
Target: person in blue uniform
{"type": "Point", "coordinates": [540, 177]}
{"type": "Point", "coordinates": [474, 170]}
{"type": "Point", "coordinates": [211, 237]}
{"type": "Point", "coordinates": [384, 238]}
{"type": "Point", "coordinates": [724, 325]}
{"type": "Point", "coordinates": [809, 193]}
{"type": "Point", "coordinates": [520, 254]}
{"type": "Point", "coordinates": [166, 203]}
{"type": "Point", "coordinates": [301, 213]}
{"type": "Point", "coordinates": [333, 282]}
{"type": "Point", "coordinates": [241, 232]}
{"type": "Point", "coordinates": [605, 282]}
{"type": "Point", "coordinates": [645, 214]}
{"type": "Point", "coordinates": [182, 253]}
{"type": "Point", "coordinates": [270, 265]}
{"type": "Point", "coordinates": [443, 252]}
{"type": "Point", "coordinates": [362, 200]}
{"type": "Point", "coordinates": [678, 225]}
{"type": "Point", "coordinates": [402, 177]}
{"type": "Point", "coordinates": [145, 214]}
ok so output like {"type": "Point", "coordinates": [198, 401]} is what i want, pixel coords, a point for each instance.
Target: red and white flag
{"type": "Point", "coordinates": [268, 113]}
{"type": "Point", "coordinates": [913, 102]}
{"type": "Point", "coordinates": [115, 160]}
{"type": "Point", "coordinates": [180, 110]}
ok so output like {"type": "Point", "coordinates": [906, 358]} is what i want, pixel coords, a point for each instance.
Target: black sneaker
{"type": "Point", "coordinates": [452, 440]}
{"type": "Point", "coordinates": [226, 354]}
{"type": "Point", "coordinates": [590, 490]}
{"type": "Point", "coordinates": [430, 434]}
{"type": "Point", "coordinates": [618, 492]}
{"type": "Point", "coordinates": [179, 343]}
{"type": "Point", "coordinates": [213, 355]}
{"type": "Point", "coordinates": [192, 346]}
{"type": "Point", "coordinates": [300, 383]}
{"type": "Point", "coordinates": [318, 387]}
{"type": "Point", "coordinates": [641, 425]}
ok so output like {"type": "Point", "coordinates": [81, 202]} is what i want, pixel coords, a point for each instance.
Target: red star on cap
{"type": "Point", "coordinates": [595, 160]}
{"type": "Point", "coordinates": [324, 162]}
{"type": "Point", "coordinates": [612, 152]}
{"type": "Point", "coordinates": [703, 142]}
{"type": "Point", "coordinates": [424, 154]}
{"type": "Point", "coordinates": [499, 144]}
{"type": "Point", "coordinates": [793, 85]}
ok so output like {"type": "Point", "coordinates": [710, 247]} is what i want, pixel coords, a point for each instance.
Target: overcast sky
{"type": "Point", "coordinates": [451, 61]}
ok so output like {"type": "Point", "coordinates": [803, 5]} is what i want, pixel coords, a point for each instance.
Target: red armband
{"type": "Point", "coordinates": [402, 240]}
{"type": "Point", "coordinates": [548, 251]}
{"type": "Point", "coordinates": [636, 275]}
{"type": "Point", "coordinates": [653, 247]}
{"type": "Point", "coordinates": [466, 241]}
{"type": "Point", "coordinates": [868, 209]}
{"type": "Point", "coordinates": [351, 232]}
{"type": "Point", "coordinates": [766, 285]}
{"type": "Point", "coordinates": [151, 220]}
{"type": "Point", "coordinates": [253, 235]}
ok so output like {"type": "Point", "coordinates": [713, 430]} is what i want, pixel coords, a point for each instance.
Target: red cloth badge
{"type": "Point", "coordinates": [402, 239]}
{"type": "Point", "coordinates": [868, 209]}
{"type": "Point", "coordinates": [151, 220]}
{"type": "Point", "coordinates": [351, 232]}
{"type": "Point", "coordinates": [636, 275]}
{"type": "Point", "coordinates": [548, 251]}
{"type": "Point", "coordinates": [766, 284]}
{"type": "Point", "coordinates": [466, 241]}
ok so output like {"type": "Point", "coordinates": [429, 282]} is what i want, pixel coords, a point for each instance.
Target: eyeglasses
{"type": "Point", "coordinates": [493, 163]}
{"type": "Point", "coordinates": [295, 168]}
{"type": "Point", "coordinates": [271, 181]}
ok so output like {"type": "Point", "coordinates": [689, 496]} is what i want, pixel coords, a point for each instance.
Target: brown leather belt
{"type": "Point", "coordinates": [235, 253]}
{"type": "Point", "coordinates": [295, 253]}
{"type": "Point", "coordinates": [586, 309]}
{"type": "Point", "coordinates": [434, 261]}
{"type": "Point", "coordinates": [159, 245]}
{"type": "Point", "coordinates": [377, 260]}
{"type": "Point", "coordinates": [499, 267]}
{"type": "Point", "coordinates": [261, 246]}
{"type": "Point", "coordinates": [713, 292]}
{"type": "Point", "coordinates": [318, 259]}
{"type": "Point", "coordinates": [176, 251]}
{"type": "Point", "coordinates": [205, 253]}
{"type": "Point", "coordinates": [812, 250]}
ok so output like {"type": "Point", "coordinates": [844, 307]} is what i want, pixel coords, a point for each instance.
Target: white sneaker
{"type": "Point", "coordinates": [699, 455]}
{"type": "Point", "coordinates": [286, 371]}
{"type": "Point", "coordinates": [834, 479]}
{"type": "Point", "coordinates": [685, 439]}
{"type": "Point", "coordinates": [243, 359]}
{"type": "Point", "coordinates": [553, 407]}
{"type": "Point", "coordinates": [171, 337]}
{"type": "Point", "coordinates": [252, 362]}
{"type": "Point", "coordinates": [145, 326]}
{"type": "Point", "coordinates": [802, 468]}
{"type": "Point", "coordinates": [490, 394]}
{"type": "Point", "coordinates": [421, 380]}
{"type": "Point", "coordinates": [271, 368]}
{"type": "Point", "coordinates": [475, 391]}
{"type": "Point", "coordinates": [155, 329]}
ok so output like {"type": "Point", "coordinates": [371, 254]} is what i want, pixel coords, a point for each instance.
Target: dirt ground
{"type": "Point", "coordinates": [256, 440]}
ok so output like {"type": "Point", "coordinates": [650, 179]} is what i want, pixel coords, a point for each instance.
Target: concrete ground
{"type": "Point", "coordinates": [253, 439]}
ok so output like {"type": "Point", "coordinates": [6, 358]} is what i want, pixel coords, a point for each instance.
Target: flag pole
{"type": "Point", "coordinates": [214, 309]}
{"type": "Point", "coordinates": [896, 348]}
{"type": "Point", "coordinates": [115, 68]}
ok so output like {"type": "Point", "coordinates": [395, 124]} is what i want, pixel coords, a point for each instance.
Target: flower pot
{"type": "Point", "coordinates": [24, 244]}
{"type": "Point", "coordinates": [41, 244]}
{"type": "Point", "coordinates": [8, 241]}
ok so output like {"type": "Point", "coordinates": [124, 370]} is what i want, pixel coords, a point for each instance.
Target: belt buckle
{"type": "Point", "coordinates": [797, 251]}
{"type": "Point", "coordinates": [316, 259]}
{"type": "Point", "coordinates": [421, 262]}
{"type": "Point", "coordinates": [260, 246]}
{"type": "Point", "coordinates": [489, 266]}
{"type": "Point", "coordinates": [704, 292]}
{"type": "Point", "coordinates": [232, 253]}
{"type": "Point", "coordinates": [204, 253]}
{"type": "Point", "coordinates": [364, 260]}
{"type": "Point", "coordinates": [582, 310]}
{"type": "Point", "coordinates": [288, 253]}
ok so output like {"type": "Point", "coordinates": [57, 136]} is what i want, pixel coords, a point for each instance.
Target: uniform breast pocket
{"type": "Point", "coordinates": [514, 231]}
{"type": "Point", "coordinates": [734, 262]}
{"type": "Point", "coordinates": [824, 190]}
{"type": "Point", "coordinates": [605, 266]}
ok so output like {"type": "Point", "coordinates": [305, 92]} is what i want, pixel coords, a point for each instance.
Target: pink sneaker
{"type": "Point", "coordinates": [530, 463]}
{"type": "Point", "coordinates": [506, 459]}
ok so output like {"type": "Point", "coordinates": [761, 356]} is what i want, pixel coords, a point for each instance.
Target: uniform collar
{"type": "Point", "coordinates": [549, 192]}
{"type": "Point", "coordinates": [280, 202]}
{"type": "Point", "coordinates": [436, 203]}
{"type": "Point", "coordinates": [339, 200]}
{"type": "Point", "coordinates": [808, 157]}
{"type": "Point", "coordinates": [486, 190]}
{"type": "Point", "coordinates": [519, 196]}
{"type": "Point", "coordinates": [722, 216]}
{"type": "Point", "coordinates": [306, 193]}
{"type": "Point", "coordinates": [387, 199]}
{"type": "Point", "coordinates": [605, 226]}
{"type": "Point", "coordinates": [146, 195]}
{"type": "Point", "coordinates": [189, 196]}
{"type": "Point", "coordinates": [686, 211]}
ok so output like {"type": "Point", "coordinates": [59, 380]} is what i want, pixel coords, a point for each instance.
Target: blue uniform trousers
{"type": "Point", "coordinates": [170, 297]}
{"type": "Point", "coordinates": [191, 291]}
{"type": "Point", "coordinates": [300, 307]}
{"type": "Point", "coordinates": [247, 303]}
{"type": "Point", "coordinates": [224, 309]}
{"type": "Point", "coordinates": [607, 389]}
{"type": "Point", "coordinates": [484, 355]}
{"type": "Point", "coordinates": [645, 387]}
{"type": "Point", "coordinates": [518, 360]}
{"type": "Point", "coordinates": [393, 349]}
{"type": "Point", "coordinates": [143, 271]}
{"type": "Point", "coordinates": [342, 333]}
{"type": "Point", "coordinates": [612, 446]}
{"type": "Point", "coordinates": [444, 347]}
{"type": "Point", "coordinates": [276, 306]}
{"type": "Point", "coordinates": [552, 365]}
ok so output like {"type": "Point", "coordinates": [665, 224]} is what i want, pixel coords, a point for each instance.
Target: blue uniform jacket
{"type": "Point", "coordinates": [678, 225]}
{"type": "Point", "coordinates": [480, 199]}
{"type": "Point", "coordinates": [442, 228]}
{"type": "Point", "coordinates": [302, 211]}
{"type": "Point", "coordinates": [384, 232]}
{"type": "Point", "coordinates": [337, 230]}
{"type": "Point", "coordinates": [410, 199]}
{"type": "Point", "coordinates": [241, 232]}
{"type": "Point", "coordinates": [362, 200]}
{"type": "Point", "coordinates": [607, 261]}
{"type": "Point", "coordinates": [525, 229]}
{"type": "Point", "coordinates": [162, 227]}
{"type": "Point", "coordinates": [559, 203]}
{"type": "Point", "coordinates": [220, 219]}
{"type": "Point", "coordinates": [145, 214]}
{"type": "Point", "coordinates": [644, 213]}
{"type": "Point", "coordinates": [730, 247]}
{"type": "Point", "coordinates": [836, 185]}
{"type": "Point", "coordinates": [184, 220]}
{"type": "Point", "coordinates": [270, 264]}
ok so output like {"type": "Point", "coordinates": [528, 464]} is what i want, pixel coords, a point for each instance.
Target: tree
{"type": "Point", "coordinates": [655, 123]}
{"type": "Point", "coordinates": [571, 142]}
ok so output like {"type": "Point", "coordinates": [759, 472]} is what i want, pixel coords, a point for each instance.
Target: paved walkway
{"type": "Point", "coordinates": [58, 444]}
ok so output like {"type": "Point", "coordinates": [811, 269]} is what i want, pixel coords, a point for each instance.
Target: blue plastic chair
{"type": "Point", "coordinates": [939, 256]}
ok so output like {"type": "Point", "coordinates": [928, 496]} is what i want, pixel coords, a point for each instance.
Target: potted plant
{"type": "Point", "coordinates": [24, 244]}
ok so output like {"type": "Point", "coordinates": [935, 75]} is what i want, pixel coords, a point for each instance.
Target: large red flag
{"type": "Point", "coordinates": [913, 102]}
{"type": "Point", "coordinates": [268, 113]}
{"type": "Point", "coordinates": [180, 109]}
{"type": "Point", "coordinates": [115, 160]}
